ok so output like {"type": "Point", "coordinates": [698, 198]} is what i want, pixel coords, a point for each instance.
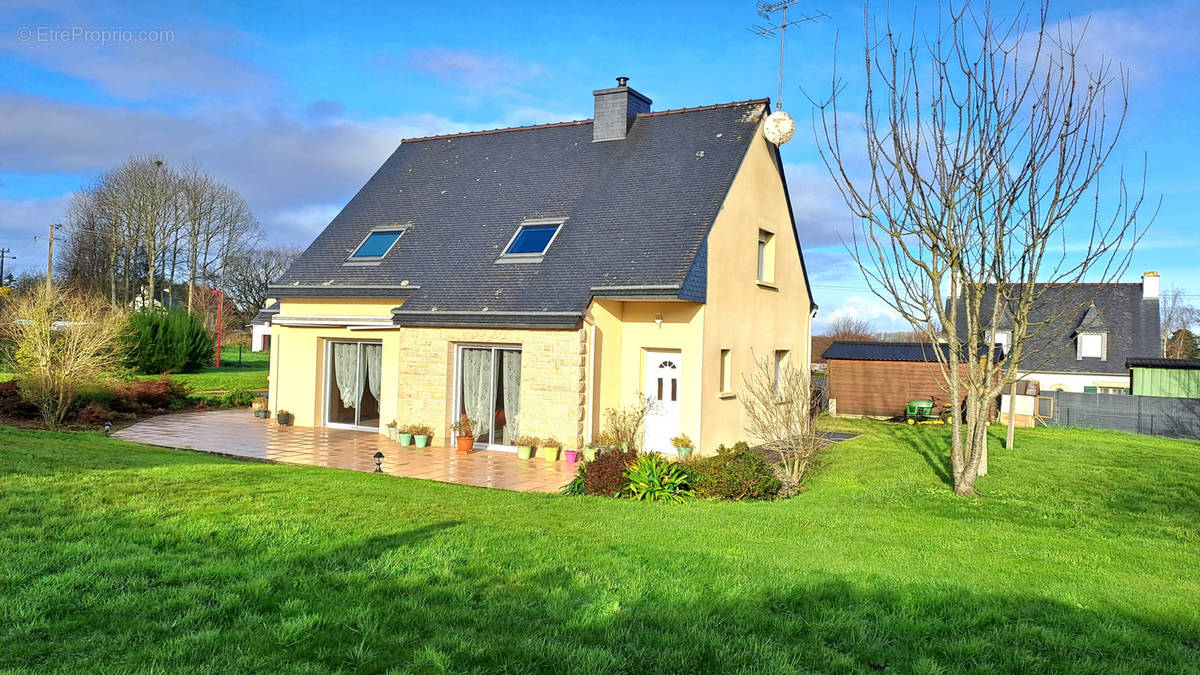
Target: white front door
{"type": "Point", "coordinates": [663, 391]}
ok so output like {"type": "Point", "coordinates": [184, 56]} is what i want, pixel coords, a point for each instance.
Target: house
{"type": "Point", "coordinates": [1176, 378]}
{"type": "Point", "coordinates": [1086, 333]}
{"type": "Point", "coordinates": [876, 379]}
{"type": "Point", "coordinates": [260, 326]}
{"type": "Point", "coordinates": [532, 278]}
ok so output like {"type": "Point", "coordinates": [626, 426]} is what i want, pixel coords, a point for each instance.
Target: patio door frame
{"type": "Point", "coordinates": [458, 387]}
{"type": "Point", "coordinates": [359, 372]}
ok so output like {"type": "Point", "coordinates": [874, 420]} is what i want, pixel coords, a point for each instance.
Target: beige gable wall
{"type": "Point", "coordinates": [742, 315]}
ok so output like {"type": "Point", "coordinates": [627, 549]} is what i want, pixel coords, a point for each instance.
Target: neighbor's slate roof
{"type": "Point", "coordinates": [1131, 323]}
{"type": "Point", "coordinates": [265, 314]}
{"type": "Point", "coordinates": [1166, 364]}
{"type": "Point", "coordinates": [847, 350]}
{"type": "Point", "coordinates": [638, 212]}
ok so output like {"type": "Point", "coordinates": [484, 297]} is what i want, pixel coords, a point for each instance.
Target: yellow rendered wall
{"type": "Point", "coordinates": [741, 314]}
{"type": "Point", "coordinates": [298, 355]}
{"type": "Point", "coordinates": [625, 331]}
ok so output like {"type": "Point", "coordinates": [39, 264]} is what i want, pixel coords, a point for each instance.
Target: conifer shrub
{"type": "Point", "coordinates": [166, 341]}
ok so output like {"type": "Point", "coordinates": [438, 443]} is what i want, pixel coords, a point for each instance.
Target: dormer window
{"type": "Point", "coordinates": [1002, 338]}
{"type": "Point", "coordinates": [376, 245]}
{"type": "Point", "coordinates": [1092, 346]}
{"type": "Point", "coordinates": [531, 241]}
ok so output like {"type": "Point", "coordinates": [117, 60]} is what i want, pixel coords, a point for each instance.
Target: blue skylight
{"type": "Point", "coordinates": [531, 239]}
{"type": "Point", "coordinates": [376, 245]}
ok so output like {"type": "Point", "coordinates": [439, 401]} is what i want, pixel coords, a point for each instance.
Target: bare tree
{"type": "Point", "coordinates": [1177, 316]}
{"type": "Point", "coordinates": [781, 415]}
{"type": "Point", "coordinates": [981, 140]}
{"type": "Point", "coordinates": [60, 341]}
{"type": "Point", "coordinates": [249, 274]}
{"type": "Point", "coordinates": [851, 328]}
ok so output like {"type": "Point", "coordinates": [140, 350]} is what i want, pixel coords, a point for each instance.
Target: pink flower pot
{"type": "Point", "coordinates": [572, 456]}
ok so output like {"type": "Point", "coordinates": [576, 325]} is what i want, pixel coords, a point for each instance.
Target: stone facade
{"type": "Point", "coordinates": [553, 378]}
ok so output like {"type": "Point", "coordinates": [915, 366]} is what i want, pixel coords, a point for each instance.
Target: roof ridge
{"type": "Point", "coordinates": [551, 125]}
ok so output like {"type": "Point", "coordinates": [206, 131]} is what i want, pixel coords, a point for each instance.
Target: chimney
{"type": "Point", "coordinates": [616, 109]}
{"type": "Point", "coordinates": [1150, 286]}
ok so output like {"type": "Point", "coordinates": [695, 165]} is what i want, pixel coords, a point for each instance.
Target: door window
{"type": "Point", "coordinates": [489, 393]}
{"type": "Point", "coordinates": [355, 372]}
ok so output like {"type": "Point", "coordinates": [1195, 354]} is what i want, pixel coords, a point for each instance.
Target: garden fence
{"type": "Point", "coordinates": [1151, 415]}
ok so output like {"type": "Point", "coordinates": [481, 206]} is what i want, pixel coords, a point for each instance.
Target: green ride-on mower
{"type": "Point", "coordinates": [922, 412]}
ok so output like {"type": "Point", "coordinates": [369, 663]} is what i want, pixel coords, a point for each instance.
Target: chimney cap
{"type": "Point", "coordinates": [622, 81]}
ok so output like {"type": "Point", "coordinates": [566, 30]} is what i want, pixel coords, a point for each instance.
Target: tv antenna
{"type": "Point", "coordinates": [779, 25]}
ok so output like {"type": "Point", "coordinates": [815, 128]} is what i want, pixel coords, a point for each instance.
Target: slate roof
{"type": "Point", "coordinates": [921, 352]}
{"type": "Point", "coordinates": [1130, 321]}
{"type": "Point", "coordinates": [265, 314]}
{"type": "Point", "coordinates": [638, 213]}
{"type": "Point", "coordinates": [1165, 364]}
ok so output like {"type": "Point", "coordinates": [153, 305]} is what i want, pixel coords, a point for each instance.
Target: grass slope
{"type": "Point", "coordinates": [1082, 558]}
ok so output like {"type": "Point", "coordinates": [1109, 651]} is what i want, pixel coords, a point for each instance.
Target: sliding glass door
{"type": "Point", "coordinates": [488, 392]}
{"type": "Point", "coordinates": [352, 374]}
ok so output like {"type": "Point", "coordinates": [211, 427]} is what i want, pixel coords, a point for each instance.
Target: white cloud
{"type": "Point", "coordinates": [470, 69]}
{"type": "Point", "coordinates": [871, 309]}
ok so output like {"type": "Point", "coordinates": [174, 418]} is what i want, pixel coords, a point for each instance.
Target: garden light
{"type": "Point", "coordinates": [378, 462]}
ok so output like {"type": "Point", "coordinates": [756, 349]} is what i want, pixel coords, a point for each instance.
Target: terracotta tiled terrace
{"type": "Point", "coordinates": [239, 434]}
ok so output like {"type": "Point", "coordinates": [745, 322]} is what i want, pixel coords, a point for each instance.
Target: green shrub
{"type": "Point", "coordinates": [160, 393]}
{"type": "Point", "coordinates": [237, 397]}
{"type": "Point", "coordinates": [166, 341]}
{"type": "Point", "coordinates": [734, 473]}
{"type": "Point", "coordinates": [606, 474]}
{"type": "Point", "coordinates": [576, 486]}
{"type": "Point", "coordinates": [654, 478]}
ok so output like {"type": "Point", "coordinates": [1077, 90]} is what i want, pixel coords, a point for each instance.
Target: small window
{"type": "Point", "coordinates": [532, 240]}
{"type": "Point", "coordinates": [766, 256]}
{"type": "Point", "coordinates": [1091, 345]}
{"type": "Point", "coordinates": [726, 370]}
{"type": "Point", "coordinates": [781, 356]}
{"type": "Point", "coordinates": [1002, 338]}
{"type": "Point", "coordinates": [376, 245]}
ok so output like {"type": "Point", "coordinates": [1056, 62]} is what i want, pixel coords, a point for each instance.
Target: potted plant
{"type": "Point", "coordinates": [525, 446]}
{"type": "Point", "coordinates": [463, 434]}
{"type": "Point", "coordinates": [283, 418]}
{"type": "Point", "coordinates": [683, 445]}
{"type": "Point", "coordinates": [589, 453]}
{"type": "Point", "coordinates": [405, 435]}
{"type": "Point", "coordinates": [421, 434]}
{"type": "Point", "coordinates": [259, 406]}
{"type": "Point", "coordinates": [392, 431]}
{"type": "Point", "coordinates": [571, 456]}
{"type": "Point", "coordinates": [548, 448]}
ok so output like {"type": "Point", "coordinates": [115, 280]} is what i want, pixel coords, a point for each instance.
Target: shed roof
{"type": "Point", "coordinates": [1161, 363]}
{"type": "Point", "coordinates": [921, 352]}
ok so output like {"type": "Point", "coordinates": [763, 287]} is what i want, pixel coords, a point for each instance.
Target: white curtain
{"type": "Point", "coordinates": [510, 377]}
{"type": "Point", "coordinates": [477, 379]}
{"type": "Point", "coordinates": [345, 371]}
{"type": "Point", "coordinates": [373, 355]}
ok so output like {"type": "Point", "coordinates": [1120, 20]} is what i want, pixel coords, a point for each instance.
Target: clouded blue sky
{"type": "Point", "coordinates": [295, 105]}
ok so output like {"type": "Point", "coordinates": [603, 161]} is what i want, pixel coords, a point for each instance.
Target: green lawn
{"type": "Point", "coordinates": [251, 373]}
{"type": "Point", "coordinates": [1083, 557]}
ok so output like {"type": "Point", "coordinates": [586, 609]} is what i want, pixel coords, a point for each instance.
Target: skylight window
{"type": "Point", "coordinates": [531, 241]}
{"type": "Point", "coordinates": [376, 245]}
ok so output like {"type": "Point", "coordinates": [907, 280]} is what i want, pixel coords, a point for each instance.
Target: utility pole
{"type": "Point", "coordinates": [50, 258]}
{"type": "Point", "coordinates": [4, 255]}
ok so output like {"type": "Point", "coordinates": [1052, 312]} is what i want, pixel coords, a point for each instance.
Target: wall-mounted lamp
{"type": "Point", "coordinates": [658, 320]}
{"type": "Point", "coordinates": [378, 462]}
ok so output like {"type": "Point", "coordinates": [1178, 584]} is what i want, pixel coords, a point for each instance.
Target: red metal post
{"type": "Point", "coordinates": [220, 302]}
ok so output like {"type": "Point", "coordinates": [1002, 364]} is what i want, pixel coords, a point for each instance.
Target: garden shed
{"type": "Point", "coordinates": [1173, 378]}
{"type": "Point", "coordinates": [876, 379]}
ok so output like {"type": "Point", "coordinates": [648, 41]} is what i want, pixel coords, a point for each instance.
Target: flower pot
{"type": "Point", "coordinates": [571, 455]}
{"type": "Point", "coordinates": [524, 451]}
{"type": "Point", "coordinates": [283, 419]}
{"type": "Point", "coordinates": [683, 452]}
{"type": "Point", "coordinates": [465, 443]}
{"type": "Point", "coordinates": [262, 414]}
{"type": "Point", "coordinates": [405, 439]}
{"type": "Point", "coordinates": [589, 454]}
{"type": "Point", "coordinates": [422, 440]}
{"type": "Point", "coordinates": [393, 433]}
{"type": "Point", "coordinates": [549, 454]}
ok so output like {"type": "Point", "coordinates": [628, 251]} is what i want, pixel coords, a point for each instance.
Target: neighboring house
{"type": "Point", "coordinates": [1087, 333]}
{"type": "Point", "coordinates": [876, 379]}
{"type": "Point", "coordinates": [1177, 378]}
{"type": "Point", "coordinates": [534, 277]}
{"type": "Point", "coordinates": [260, 326]}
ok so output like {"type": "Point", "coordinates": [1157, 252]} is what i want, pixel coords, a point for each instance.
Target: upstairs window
{"type": "Point", "coordinates": [766, 257]}
{"type": "Point", "coordinates": [532, 240]}
{"type": "Point", "coordinates": [1002, 338]}
{"type": "Point", "coordinates": [1091, 346]}
{"type": "Point", "coordinates": [376, 245]}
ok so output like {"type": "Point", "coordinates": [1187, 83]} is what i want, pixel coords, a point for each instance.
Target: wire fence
{"type": "Point", "coordinates": [1150, 415]}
